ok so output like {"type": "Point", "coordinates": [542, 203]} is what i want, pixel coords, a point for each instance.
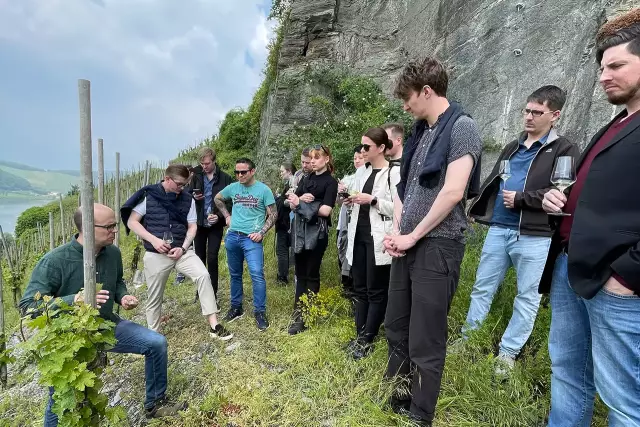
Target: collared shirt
{"type": "Point", "coordinates": [60, 273]}
{"type": "Point", "coordinates": [520, 163]}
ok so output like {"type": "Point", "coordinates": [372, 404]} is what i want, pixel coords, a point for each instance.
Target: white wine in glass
{"type": "Point", "coordinates": [167, 237]}
{"type": "Point", "coordinates": [505, 170]}
{"type": "Point", "coordinates": [563, 176]}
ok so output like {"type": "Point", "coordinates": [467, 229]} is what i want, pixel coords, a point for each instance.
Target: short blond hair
{"type": "Point", "coordinates": [206, 152]}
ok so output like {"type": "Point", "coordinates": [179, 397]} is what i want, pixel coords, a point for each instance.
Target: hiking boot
{"type": "Point", "coordinates": [233, 314]}
{"type": "Point", "coordinates": [297, 325]}
{"type": "Point", "coordinates": [282, 281]}
{"type": "Point", "coordinates": [164, 408]}
{"type": "Point", "coordinates": [504, 364]}
{"type": "Point", "coordinates": [220, 332]}
{"type": "Point", "coordinates": [261, 320]}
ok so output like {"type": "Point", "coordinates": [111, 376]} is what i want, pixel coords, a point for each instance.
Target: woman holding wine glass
{"type": "Point", "coordinates": [370, 221]}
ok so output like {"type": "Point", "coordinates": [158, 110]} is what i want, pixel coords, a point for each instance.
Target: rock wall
{"type": "Point", "coordinates": [498, 51]}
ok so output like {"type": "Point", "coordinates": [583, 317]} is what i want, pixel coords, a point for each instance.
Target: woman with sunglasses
{"type": "Point", "coordinates": [371, 220]}
{"type": "Point", "coordinates": [322, 187]}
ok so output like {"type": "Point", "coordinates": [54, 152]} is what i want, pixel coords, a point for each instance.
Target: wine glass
{"type": "Point", "coordinates": [167, 236]}
{"type": "Point", "coordinates": [563, 176]}
{"type": "Point", "coordinates": [505, 170]}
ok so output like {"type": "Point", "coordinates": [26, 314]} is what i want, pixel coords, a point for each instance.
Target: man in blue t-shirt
{"type": "Point", "coordinates": [254, 213]}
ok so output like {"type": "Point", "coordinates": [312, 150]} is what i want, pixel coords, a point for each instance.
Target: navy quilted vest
{"type": "Point", "coordinates": [157, 219]}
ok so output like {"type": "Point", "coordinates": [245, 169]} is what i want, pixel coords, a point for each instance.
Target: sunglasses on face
{"type": "Point", "coordinates": [241, 173]}
{"type": "Point", "coordinates": [366, 147]}
{"type": "Point", "coordinates": [320, 147]}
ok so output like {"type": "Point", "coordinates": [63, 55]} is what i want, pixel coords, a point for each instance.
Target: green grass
{"type": "Point", "coordinates": [272, 379]}
{"type": "Point", "coordinates": [46, 181]}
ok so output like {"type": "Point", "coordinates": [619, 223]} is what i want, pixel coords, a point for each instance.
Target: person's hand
{"type": "Point", "coordinates": [213, 219]}
{"type": "Point", "coordinates": [612, 285]}
{"type": "Point", "coordinates": [228, 220]}
{"type": "Point", "coordinates": [161, 246]}
{"type": "Point", "coordinates": [388, 248]}
{"type": "Point", "coordinates": [101, 297]}
{"type": "Point", "coordinates": [554, 200]}
{"type": "Point", "coordinates": [509, 199]}
{"type": "Point", "coordinates": [347, 201]}
{"type": "Point", "coordinates": [399, 244]}
{"type": "Point", "coordinates": [198, 196]}
{"type": "Point", "coordinates": [256, 237]}
{"type": "Point", "coordinates": [175, 253]}
{"type": "Point", "coordinates": [307, 198]}
{"type": "Point", "coordinates": [361, 199]}
{"type": "Point", "coordinates": [129, 302]}
{"type": "Point", "coordinates": [294, 200]}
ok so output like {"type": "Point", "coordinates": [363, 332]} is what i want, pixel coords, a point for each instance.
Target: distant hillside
{"type": "Point", "coordinates": [10, 182]}
{"type": "Point", "coordinates": [34, 179]}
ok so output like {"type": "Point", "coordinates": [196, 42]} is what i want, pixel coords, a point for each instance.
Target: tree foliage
{"type": "Point", "coordinates": [30, 218]}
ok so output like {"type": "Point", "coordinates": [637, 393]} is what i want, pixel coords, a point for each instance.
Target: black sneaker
{"type": "Point", "coordinates": [165, 408]}
{"type": "Point", "coordinates": [297, 325]}
{"type": "Point", "coordinates": [361, 349]}
{"type": "Point", "coordinates": [220, 332]}
{"type": "Point", "coordinates": [261, 320]}
{"type": "Point", "coordinates": [233, 314]}
{"type": "Point", "coordinates": [418, 421]}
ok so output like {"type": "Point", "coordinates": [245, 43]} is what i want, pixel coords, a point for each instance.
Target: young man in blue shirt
{"type": "Point", "coordinates": [519, 233]}
{"type": "Point", "coordinates": [254, 213]}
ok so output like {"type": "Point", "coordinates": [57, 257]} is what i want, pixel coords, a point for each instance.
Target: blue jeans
{"type": "Point", "coordinates": [528, 254]}
{"type": "Point", "coordinates": [593, 345]}
{"type": "Point", "coordinates": [240, 247]}
{"type": "Point", "coordinates": [136, 339]}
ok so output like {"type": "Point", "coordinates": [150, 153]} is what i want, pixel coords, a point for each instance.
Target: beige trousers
{"type": "Point", "coordinates": [157, 268]}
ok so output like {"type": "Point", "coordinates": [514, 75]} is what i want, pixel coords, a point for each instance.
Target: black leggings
{"type": "Point", "coordinates": [308, 264]}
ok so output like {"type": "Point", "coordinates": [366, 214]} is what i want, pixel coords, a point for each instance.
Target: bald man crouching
{"type": "Point", "coordinates": [60, 273]}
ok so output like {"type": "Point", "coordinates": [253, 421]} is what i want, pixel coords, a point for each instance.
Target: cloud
{"type": "Point", "coordinates": [159, 68]}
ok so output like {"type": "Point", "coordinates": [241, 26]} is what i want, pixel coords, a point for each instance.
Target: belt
{"type": "Point", "coordinates": [239, 233]}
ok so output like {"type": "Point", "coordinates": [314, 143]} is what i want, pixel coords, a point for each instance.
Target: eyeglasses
{"type": "Point", "coordinates": [535, 113]}
{"type": "Point", "coordinates": [241, 173]}
{"type": "Point", "coordinates": [179, 184]}
{"type": "Point", "coordinates": [108, 227]}
{"type": "Point", "coordinates": [366, 147]}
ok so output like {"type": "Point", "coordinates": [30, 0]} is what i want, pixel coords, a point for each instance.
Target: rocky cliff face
{"type": "Point", "coordinates": [498, 52]}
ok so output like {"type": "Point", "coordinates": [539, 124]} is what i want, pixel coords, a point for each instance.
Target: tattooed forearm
{"type": "Point", "coordinates": [221, 205]}
{"type": "Point", "coordinates": [272, 216]}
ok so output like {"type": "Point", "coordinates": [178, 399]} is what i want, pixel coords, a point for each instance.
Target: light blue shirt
{"type": "Point", "coordinates": [249, 206]}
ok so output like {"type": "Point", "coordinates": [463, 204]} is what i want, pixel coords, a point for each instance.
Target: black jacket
{"type": "Point", "coordinates": [222, 180]}
{"type": "Point", "coordinates": [533, 220]}
{"type": "Point", "coordinates": [605, 235]}
{"type": "Point", "coordinates": [284, 221]}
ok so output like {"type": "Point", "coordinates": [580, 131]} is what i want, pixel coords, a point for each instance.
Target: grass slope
{"type": "Point", "coordinates": [271, 379]}
{"type": "Point", "coordinates": [44, 181]}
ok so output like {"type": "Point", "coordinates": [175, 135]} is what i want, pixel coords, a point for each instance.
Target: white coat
{"type": "Point", "coordinates": [384, 188]}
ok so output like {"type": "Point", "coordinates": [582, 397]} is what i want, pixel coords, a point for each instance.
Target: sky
{"type": "Point", "coordinates": [163, 74]}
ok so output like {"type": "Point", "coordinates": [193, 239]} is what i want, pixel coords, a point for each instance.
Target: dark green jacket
{"type": "Point", "coordinates": [60, 273]}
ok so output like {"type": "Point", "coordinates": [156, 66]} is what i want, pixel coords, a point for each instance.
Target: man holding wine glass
{"type": "Point", "coordinates": [164, 216]}
{"type": "Point", "coordinates": [593, 273]}
{"type": "Point", "coordinates": [510, 202]}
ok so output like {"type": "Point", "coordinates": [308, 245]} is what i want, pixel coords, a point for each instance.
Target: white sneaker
{"type": "Point", "coordinates": [504, 364]}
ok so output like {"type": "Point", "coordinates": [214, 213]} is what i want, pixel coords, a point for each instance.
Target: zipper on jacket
{"type": "Point", "coordinates": [527, 177]}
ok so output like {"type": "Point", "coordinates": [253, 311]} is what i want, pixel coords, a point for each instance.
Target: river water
{"type": "Point", "coordinates": [12, 207]}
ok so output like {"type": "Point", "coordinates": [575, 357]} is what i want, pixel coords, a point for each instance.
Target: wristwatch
{"type": "Point", "coordinates": [374, 201]}
{"type": "Point", "coordinates": [184, 251]}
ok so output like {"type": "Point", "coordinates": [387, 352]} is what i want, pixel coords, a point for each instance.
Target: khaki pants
{"type": "Point", "coordinates": [157, 268]}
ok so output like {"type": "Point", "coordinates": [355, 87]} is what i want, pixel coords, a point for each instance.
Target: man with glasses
{"type": "Point", "coordinates": [254, 213]}
{"type": "Point", "coordinates": [519, 233]}
{"type": "Point", "coordinates": [60, 274]}
{"type": "Point", "coordinates": [164, 216]}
